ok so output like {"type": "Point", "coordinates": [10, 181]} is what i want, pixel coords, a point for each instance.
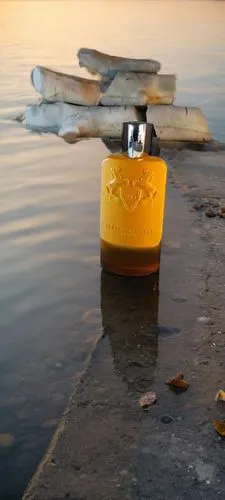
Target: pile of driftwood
{"type": "Point", "coordinates": [124, 90]}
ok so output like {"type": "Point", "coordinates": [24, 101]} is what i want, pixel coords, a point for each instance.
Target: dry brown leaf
{"type": "Point", "coordinates": [179, 376]}
{"type": "Point", "coordinates": [147, 399]}
{"type": "Point", "coordinates": [178, 382]}
{"type": "Point", "coordinates": [220, 396]}
{"type": "Point", "coordinates": [219, 426]}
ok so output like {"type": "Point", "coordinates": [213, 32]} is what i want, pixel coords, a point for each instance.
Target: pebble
{"type": "Point", "coordinates": [6, 440]}
{"type": "Point", "coordinates": [210, 212]}
{"type": "Point", "coordinates": [165, 331]}
{"type": "Point", "coordinates": [166, 419]}
{"type": "Point", "coordinates": [221, 212]}
{"type": "Point", "coordinates": [123, 472]}
{"type": "Point", "coordinates": [179, 299]}
{"type": "Point", "coordinates": [203, 319]}
{"type": "Point", "coordinates": [198, 206]}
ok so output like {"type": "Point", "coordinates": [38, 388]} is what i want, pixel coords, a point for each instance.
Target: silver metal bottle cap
{"type": "Point", "coordinates": [137, 138]}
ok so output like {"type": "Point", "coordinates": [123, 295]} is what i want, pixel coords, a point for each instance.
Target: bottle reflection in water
{"type": "Point", "coordinates": [129, 317]}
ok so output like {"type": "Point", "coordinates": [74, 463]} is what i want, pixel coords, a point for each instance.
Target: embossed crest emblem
{"type": "Point", "coordinates": [131, 191]}
{"type": "Point", "coordinates": [130, 196]}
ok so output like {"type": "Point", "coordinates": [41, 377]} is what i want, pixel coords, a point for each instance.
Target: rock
{"type": "Point", "coordinates": [167, 331]}
{"type": "Point", "coordinates": [198, 206]}
{"type": "Point", "coordinates": [179, 299]}
{"type": "Point", "coordinates": [203, 319]}
{"type": "Point", "coordinates": [221, 212]}
{"type": "Point", "coordinates": [108, 66]}
{"type": "Point", "coordinates": [166, 419]}
{"type": "Point", "coordinates": [140, 89]}
{"type": "Point", "coordinates": [178, 123]}
{"type": "Point", "coordinates": [6, 440]}
{"type": "Point", "coordinates": [55, 86]}
{"type": "Point", "coordinates": [73, 122]}
{"type": "Point", "coordinates": [210, 212]}
{"type": "Point", "coordinates": [215, 204]}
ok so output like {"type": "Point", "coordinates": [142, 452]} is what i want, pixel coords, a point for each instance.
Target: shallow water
{"type": "Point", "coordinates": [49, 194]}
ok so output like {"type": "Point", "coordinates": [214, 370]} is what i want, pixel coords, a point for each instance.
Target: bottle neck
{"type": "Point", "coordinates": [136, 140]}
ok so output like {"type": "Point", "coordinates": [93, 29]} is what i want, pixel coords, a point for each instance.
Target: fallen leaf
{"type": "Point", "coordinates": [179, 376]}
{"type": "Point", "coordinates": [220, 396]}
{"type": "Point", "coordinates": [147, 399]}
{"type": "Point", "coordinates": [219, 426]}
{"type": "Point", "coordinates": [178, 382]}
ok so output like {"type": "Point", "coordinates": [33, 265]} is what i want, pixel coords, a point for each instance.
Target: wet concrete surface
{"type": "Point", "coordinates": [106, 446]}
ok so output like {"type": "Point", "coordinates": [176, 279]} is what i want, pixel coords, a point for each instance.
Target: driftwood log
{"type": "Point", "coordinates": [140, 89]}
{"type": "Point", "coordinates": [126, 89]}
{"type": "Point", "coordinates": [179, 123]}
{"type": "Point", "coordinates": [108, 66]}
{"type": "Point", "coordinates": [73, 122]}
{"type": "Point", "coordinates": [55, 86]}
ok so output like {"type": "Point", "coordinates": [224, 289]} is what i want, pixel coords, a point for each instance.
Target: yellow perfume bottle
{"type": "Point", "coordinates": [133, 192]}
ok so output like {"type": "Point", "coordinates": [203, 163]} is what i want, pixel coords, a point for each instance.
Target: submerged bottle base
{"type": "Point", "coordinates": [128, 261]}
